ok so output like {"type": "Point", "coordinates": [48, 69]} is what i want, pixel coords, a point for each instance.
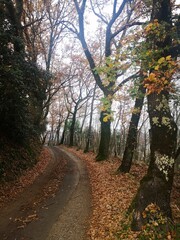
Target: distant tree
{"type": "Point", "coordinates": [65, 128]}
{"type": "Point", "coordinates": [89, 132]}
{"type": "Point", "coordinates": [78, 100]}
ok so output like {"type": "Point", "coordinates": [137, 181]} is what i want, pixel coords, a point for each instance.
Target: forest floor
{"type": "Point", "coordinates": [33, 208]}
{"type": "Point", "coordinates": [112, 194]}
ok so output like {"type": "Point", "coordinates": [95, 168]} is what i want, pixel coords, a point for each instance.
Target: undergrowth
{"type": "Point", "coordinates": [15, 158]}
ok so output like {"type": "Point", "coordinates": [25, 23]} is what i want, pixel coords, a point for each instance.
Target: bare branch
{"type": "Point", "coordinates": [128, 25]}
{"type": "Point", "coordinates": [127, 80]}
{"type": "Point", "coordinates": [99, 15]}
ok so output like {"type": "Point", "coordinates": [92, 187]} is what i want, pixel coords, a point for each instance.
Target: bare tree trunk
{"type": "Point", "coordinates": [51, 136]}
{"type": "Point", "coordinates": [72, 127]}
{"type": "Point", "coordinates": [43, 138]}
{"type": "Point", "coordinates": [81, 137]}
{"type": "Point", "coordinates": [64, 130]}
{"type": "Point", "coordinates": [131, 142]}
{"type": "Point", "coordinates": [90, 122]}
{"type": "Point", "coordinates": [58, 132]}
{"type": "Point", "coordinates": [103, 152]}
{"type": "Point", "coordinates": [113, 145]}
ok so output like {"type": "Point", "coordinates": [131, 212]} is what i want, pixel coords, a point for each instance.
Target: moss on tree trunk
{"type": "Point", "coordinates": [155, 187]}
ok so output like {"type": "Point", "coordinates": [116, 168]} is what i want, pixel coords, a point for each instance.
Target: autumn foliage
{"type": "Point", "coordinates": [160, 77]}
{"type": "Point", "coordinates": [112, 195]}
{"type": "Point", "coordinates": [10, 190]}
{"type": "Point", "coordinates": [159, 67]}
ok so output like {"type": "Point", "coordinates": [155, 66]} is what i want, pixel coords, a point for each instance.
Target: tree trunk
{"type": "Point", "coordinates": [72, 128]}
{"type": "Point", "coordinates": [103, 153]}
{"type": "Point", "coordinates": [80, 139]}
{"type": "Point", "coordinates": [58, 132]}
{"type": "Point", "coordinates": [90, 122]}
{"type": "Point", "coordinates": [131, 142]}
{"type": "Point", "coordinates": [64, 130]}
{"type": "Point", "coordinates": [156, 186]}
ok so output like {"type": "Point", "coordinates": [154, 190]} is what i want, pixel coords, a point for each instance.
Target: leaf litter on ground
{"type": "Point", "coordinates": [112, 194]}
{"type": "Point", "coordinates": [10, 190]}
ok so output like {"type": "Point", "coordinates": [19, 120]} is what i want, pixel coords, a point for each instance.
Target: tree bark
{"type": "Point", "coordinates": [58, 132]}
{"type": "Point", "coordinates": [64, 130]}
{"type": "Point", "coordinates": [156, 186]}
{"type": "Point", "coordinates": [90, 122]}
{"type": "Point", "coordinates": [103, 153]}
{"type": "Point", "coordinates": [72, 128]}
{"type": "Point", "coordinates": [131, 142]}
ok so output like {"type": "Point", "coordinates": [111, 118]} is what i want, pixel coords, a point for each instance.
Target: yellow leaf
{"type": "Point", "coordinates": [161, 60]}
{"type": "Point", "coordinates": [168, 57]}
{"type": "Point", "coordinates": [152, 76]}
{"type": "Point", "coordinates": [148, 27]}
{"type": "Point", "coordinates": [105, 119]}
{"type": "Point", "coordinates": [156, 67]}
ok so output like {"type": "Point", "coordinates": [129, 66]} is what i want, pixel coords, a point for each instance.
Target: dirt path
{"type": "Point", "coordinates": [53, 208]}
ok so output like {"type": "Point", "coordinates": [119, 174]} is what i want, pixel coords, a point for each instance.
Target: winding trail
{"type": "Point", "coordinates": [63, 216]}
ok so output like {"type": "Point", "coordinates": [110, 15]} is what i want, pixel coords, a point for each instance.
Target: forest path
{"type": "Point", "coordinates": [41, 213]}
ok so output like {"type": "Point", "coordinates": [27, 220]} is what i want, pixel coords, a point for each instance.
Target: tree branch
{"type": "Point", "coordinates": [127, 80]}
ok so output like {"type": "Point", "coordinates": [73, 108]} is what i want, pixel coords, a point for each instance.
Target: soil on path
{"type": "Point", "coordinates": [53, 207]}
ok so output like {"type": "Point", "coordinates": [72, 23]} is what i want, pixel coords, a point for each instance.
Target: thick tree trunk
{"type": "Point", "coordinates": [103, 153]}
{"type": "Point", "coordinates": [155, 187]}
{"type": "Point", "coordinates": [131, 142]}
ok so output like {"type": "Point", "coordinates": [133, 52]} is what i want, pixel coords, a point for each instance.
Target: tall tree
{"type": "Point", "coordinates": [89, 131]}
{"type": "Point", "coordinates": [107, 83]}
{"type": "Point", "coordinates": [65, 128]}
{"type": "Point", "coordinates": [43, 31]}
{"type": "Point", "coordinates": [131, 141]}
{"type": "Point", "coordinates": [155, 187]}
{"type": "Point", "coordinates": [21, 90]}
{"type": "Point", "coordinates": [20, 78]}
{"type": "Point", "coordinates": [78, 100]}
